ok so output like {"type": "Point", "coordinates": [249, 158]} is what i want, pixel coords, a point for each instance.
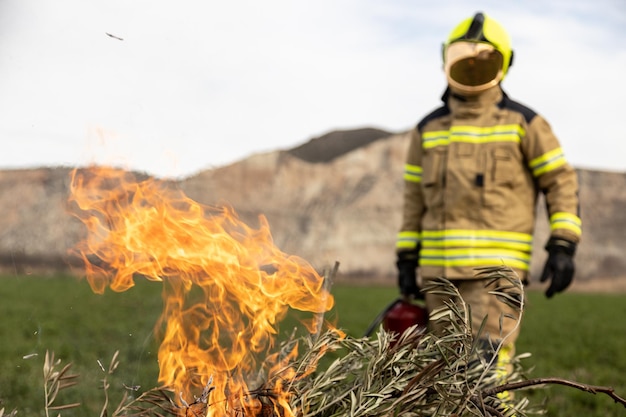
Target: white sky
{"type": "Point", "coordinates": [198, 84]}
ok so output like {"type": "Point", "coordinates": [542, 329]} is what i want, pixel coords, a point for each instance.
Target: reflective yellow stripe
{"type": "Point", "coordinates": [504, 368]}
{"type": "Point", "coordinates": [435, 138]}
{"type": "Point", "coordinates": [473, 134]}
{"type": "Point", "coordinates": [412, 173]}
{"type": "Point", "coordinates": [563, 220]}
{"type": "Point", "coordinates": [474, 257]}
{"type": "Point", "coordinates": [501, 133]}
{"type": "Point", "coordinates": [504, 359]}
{"type": "Point", "coordinates": [407, 240]}
{"type": "Point", "coordinates": [460, 238]}
{"type": "Point", "coordinates": [472, 248]}
{"type": "Point", "coordinates": [547, 162]}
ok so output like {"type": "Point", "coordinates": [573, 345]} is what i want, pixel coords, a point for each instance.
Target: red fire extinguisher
{"type": "Point", "coordinates": [399, 316]}
{"type": "Point", "coordinates": [403, 315]}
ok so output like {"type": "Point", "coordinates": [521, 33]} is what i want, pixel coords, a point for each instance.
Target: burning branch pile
{"type": "Point", "coordinates": [225, 288]}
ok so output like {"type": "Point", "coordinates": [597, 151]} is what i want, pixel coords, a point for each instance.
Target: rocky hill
{"type": "Point", "coordinates": [333, 199]}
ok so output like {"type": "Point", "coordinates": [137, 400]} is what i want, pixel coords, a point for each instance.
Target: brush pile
{"type": "Point", "coordinates": [415, 374]}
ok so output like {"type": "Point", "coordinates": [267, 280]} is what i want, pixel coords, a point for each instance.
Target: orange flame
{"type": "Point", "coordinates": [225, 285]}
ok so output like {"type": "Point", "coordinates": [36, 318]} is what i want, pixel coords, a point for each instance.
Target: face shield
{"type": "Point", "coordinates": [473, 67]}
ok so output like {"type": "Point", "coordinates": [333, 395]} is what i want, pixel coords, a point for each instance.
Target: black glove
{"type": "Point", "coordinates": [559, 266]}
{"type": "Point", "coordinates": [407, 275]}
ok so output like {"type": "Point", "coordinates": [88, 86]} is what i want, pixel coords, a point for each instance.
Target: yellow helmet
{"type": "Point", "coordinates": [477, 39]}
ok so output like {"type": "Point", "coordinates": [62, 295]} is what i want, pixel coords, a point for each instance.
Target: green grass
{"type": "Point", "coordinates": [579, 337]}
{"type": "Point", "coordinates": [63, 315]}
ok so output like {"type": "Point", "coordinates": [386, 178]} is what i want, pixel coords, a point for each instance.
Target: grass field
{"type": "Point", "coordinates": [579, 337]}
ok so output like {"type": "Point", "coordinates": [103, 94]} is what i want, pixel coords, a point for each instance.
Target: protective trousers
{"type": "Point", "coordinates": [501, 320]}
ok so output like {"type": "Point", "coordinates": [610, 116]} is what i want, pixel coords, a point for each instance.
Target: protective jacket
{"type": "Point", "coordinates": [474, 169]}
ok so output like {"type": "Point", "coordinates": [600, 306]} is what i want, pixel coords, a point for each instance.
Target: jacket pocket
{"type": "Point", "coordinates": [502, 174]}
{"type": "Point", "coordinates": [503, 167]}
{"type": "Point", "coordinates": [433, 166]}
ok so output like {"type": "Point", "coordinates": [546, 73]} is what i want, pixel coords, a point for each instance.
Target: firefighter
{"type": "Point", "coordinates": [473, 173]}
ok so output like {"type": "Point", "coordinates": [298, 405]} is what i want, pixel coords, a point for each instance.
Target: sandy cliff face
{"type": "Point", "coordinates": [34, 223]}
{"type": "Point", "coordinates": [342, 209]}
{"type": "Point", "coordinates": [345, 210]}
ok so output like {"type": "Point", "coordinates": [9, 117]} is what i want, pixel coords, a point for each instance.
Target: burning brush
{"type": "Point", "coordinates": [225, 286]}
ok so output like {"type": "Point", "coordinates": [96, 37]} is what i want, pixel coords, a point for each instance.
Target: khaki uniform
{"type": "Point", "coordinates": [472, 177]}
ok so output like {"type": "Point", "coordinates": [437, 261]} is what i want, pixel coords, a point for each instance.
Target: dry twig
{"type": "Point", "coordinates": [592, 389]}
{"type": "Point", "coordinates": [55, 381]}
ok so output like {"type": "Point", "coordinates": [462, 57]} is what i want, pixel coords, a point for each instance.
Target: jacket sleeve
{"type": "Point", "coordinates": [556, 179]}
{"type": "Point", "coordinates": [413, 203]}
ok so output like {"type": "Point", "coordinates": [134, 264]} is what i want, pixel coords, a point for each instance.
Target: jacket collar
{"type": "Point", "coordinates": [472, 106]}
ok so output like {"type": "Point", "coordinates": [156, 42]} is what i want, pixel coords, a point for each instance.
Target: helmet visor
{"type": "Point", "coordinates": [473, 64]}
